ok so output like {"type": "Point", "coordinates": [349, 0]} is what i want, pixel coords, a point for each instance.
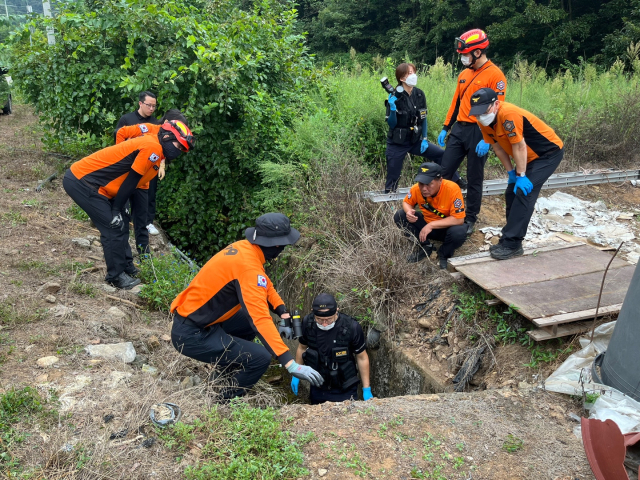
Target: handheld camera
{"type": "Point", "coordinates": [390, 89]}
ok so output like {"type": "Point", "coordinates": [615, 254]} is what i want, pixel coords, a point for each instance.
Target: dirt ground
{"type": "Point", "coordinates": [36, 248]}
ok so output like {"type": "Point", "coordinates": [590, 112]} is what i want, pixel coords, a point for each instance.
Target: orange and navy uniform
{"type": "Point", "coordinates": [469, 82]}
{"type": "Point", "coordinates": [134, 131]}
{"type": "Point", "coordinates": [513, 124]}
{"type": "Point", "coordinates": [109, 167]}
{"type": "Point", "coordinates": [231, 280]}
{"type": "Point", "coordinates": [448, 201]}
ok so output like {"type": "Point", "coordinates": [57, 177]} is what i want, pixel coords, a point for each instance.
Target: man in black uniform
{"type": "Point", "coordinates": [143, 215]}
{"type": "Point", "coordinates": [332, 343]}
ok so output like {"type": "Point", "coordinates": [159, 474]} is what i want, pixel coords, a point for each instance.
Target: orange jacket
{"type": "Point", "coordinates": [469, 82]}
{"type": "Point", "coordinates": [107, 168]}
{"type": "Point", "coordinates": [134, 131]}
{"type": "Point", "coordinates": [512, 124]}
{"type": "Point", "coordinates": [231, 280]}
{"type": "Point", "coordinates": [447, 201]}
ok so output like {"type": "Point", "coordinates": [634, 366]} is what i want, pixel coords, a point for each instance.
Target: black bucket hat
{"type": "Point", "coordinates": [272, 229]}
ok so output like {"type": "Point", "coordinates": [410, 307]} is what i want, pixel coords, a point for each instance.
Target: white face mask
{"type": "Point", "coordinates": [412, 80]}
{"type": "Point", "coordinates": [466, 60]}
{"type": "Point", "coordinates": [486, 118]}
{"type": "Point", "coordinates": [325, 327]}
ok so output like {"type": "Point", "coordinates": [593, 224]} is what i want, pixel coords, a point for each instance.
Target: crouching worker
{"type": "Point", "coordinates": [227, 304]}
{"type": "Point", "coordinates": [536, 150]}
{"type": "Point", "coordinates": [439, 216]}
{"type": "Point", "coordinates": [332, 343]}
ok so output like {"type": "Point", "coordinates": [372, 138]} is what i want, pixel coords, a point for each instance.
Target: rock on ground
{"type": "Point", "coordinates": [123, 352]}
{"type": "Point", "coordinates": [45, 362]}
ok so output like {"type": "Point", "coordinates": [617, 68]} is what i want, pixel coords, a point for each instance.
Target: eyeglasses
{"type": "Point", "coordinates": [324, 320]}
{"type": "Point", "coordinates": [151, 106]}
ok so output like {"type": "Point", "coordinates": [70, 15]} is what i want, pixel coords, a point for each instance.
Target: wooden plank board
{"type": "Point", "coordinates": [541, 334]}
{"type": "Point", "coordinates": [575, 316]}
{"type": "Point", "coordinates": [540, 268]}
{"type": "Point", "coordinates": [454, 262]}
{"type": "Point", "coordinates": [569, 294]}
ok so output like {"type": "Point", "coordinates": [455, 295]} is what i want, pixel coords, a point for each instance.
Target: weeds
{"type": "Point", "coordinates": [512, 444]}
{"type": "Point", "coordinates": [82, 288]}
{"type": "Point", "coordinates": [164, 277]}
{"type": "Point", "coordinates": [13, 313]}
{"type": "Point", "coordinates": [77, 213]}
{"type": "Point", "coordinates": [14, 218]}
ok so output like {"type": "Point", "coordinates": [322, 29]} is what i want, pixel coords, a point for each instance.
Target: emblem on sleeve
{"type": "Point", "coordinates": [508, 125]}
{"type": "Point", "coordinates": [262, 281]}
{"type": "Point", "coordinates": [143, 128]}
{"type": "Point", "coordinates": [408, 195]}
{"type": "Point", "coordinates": [153, 157]}
{"type": "Point", "coordinates": [457, 203]}
{"type": "Point", "coordinates": [500, 85]}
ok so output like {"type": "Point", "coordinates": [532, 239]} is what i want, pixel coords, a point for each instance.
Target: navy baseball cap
{"type": "Point", "coordinates": [481, 100]}
{"type": "Point", "coordinates": [428, 172]}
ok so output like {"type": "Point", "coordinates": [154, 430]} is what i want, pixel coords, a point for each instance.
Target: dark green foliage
{"type": "Point", "coordinates": [237, 75]}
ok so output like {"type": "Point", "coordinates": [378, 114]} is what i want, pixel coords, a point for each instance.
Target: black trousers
{"type": "Point", "coordinates": [520, 207]}
{"type": "Point", "coordinates": [461, 143]}
{"type": "Point", "coordinates": [395, 158]}
{"type": "Point", "coordinates": [115, 241]}
{"type": "Point", "coordinates": [227, 345]}
{"type": "Point", "coordinates": [451, 238]}
{"type": "Point", "coordinates": [151, 210]}
{"type": "Point", "coordinates": [139, 202]}
{"type": "Point", "coordinates": [319, 395]}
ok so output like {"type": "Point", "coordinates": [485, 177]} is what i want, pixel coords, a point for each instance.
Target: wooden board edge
{"type": "Point", "coordinates": [575, 316]}
{"type": "Point", "coordinates": [541, 334]}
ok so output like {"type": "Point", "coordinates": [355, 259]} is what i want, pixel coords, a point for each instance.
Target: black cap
{"type": "Point", "coordinates": [428, 172]}
{"type": "Point", "coordinates": [481, 100]}
{"type": "Point", "coordinates": [324, 301]}
{"type": "Point", "coordinates": [272, 229]}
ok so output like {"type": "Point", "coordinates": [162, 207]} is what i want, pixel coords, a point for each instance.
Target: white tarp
{"type": "Point", "coordinates": [574, 376]}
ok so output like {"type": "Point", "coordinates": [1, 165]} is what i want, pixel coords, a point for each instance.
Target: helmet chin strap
{"type": "Point", "coordinates": [474, 59]}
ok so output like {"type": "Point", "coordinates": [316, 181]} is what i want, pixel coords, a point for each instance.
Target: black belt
{"type": "Point", "coordinates": [467, 124]}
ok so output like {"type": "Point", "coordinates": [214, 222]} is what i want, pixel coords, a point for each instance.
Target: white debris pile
{"type": "Point", "coordinates": [591, 222]}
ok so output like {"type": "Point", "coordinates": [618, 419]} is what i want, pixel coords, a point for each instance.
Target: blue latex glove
{"type": "Point", "coordinates": [392, 102]}
{"type": "Point", "coordinates": [482, 148]}
{"type": "Point", "coordinates": [366, 393]}
{"type": "Point", "coordinates": [524, 184]}
{"type": "Point", "coordinates": [424, 145]}
{"type": "Point", "coordinates": [512, 176]}
{"type": "Point", "coordinates": [294, 385]}
{"type": "Point", "coordinates": [441, 137]}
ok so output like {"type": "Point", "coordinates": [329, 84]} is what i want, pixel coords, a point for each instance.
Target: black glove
{"type": "Point", "coordinates": [117, 221]}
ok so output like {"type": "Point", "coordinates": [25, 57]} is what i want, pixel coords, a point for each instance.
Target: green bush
{"type": "Point", "coordinates": [164, 277]}
{"type": "Point", "coordinates": [239, 77]}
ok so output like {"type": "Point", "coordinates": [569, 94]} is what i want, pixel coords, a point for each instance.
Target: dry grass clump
{"type": "Point", "coordinates": [351, 247]}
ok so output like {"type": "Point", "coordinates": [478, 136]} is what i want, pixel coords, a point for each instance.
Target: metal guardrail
{"type": "Point", "coordinates": [560, 180]}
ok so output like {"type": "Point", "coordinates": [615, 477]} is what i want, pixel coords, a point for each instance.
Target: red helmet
{"type": "Point", "coordinates": [181, 133]}
{"type": "Point", "coordinates": [472, 40]}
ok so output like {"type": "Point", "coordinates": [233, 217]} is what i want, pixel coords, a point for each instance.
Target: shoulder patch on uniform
{"type": "Point", "coordinates": [143, 128]}
{"type": "Point", "coordinates": [500, 85]}
{"type": "Point", "coordinates": [153, 157]}
{"type": "Point", "coordinates": [262, 281]}
{"type": "Point", "coordinates": [512, 134]}
{"type": "Point", "coordinates": [508, 125]}
{"type": "Point", "coordinates": [457, 203]}
{"type": "Point", "coordinates": [408, 195]}
{"type": "Point", "coordinates": [500, 93]}
{"type": "Point", "coordinates": [463, 80]}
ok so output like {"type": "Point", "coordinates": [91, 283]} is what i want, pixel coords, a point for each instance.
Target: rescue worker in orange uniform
{"type": "Point", "coordinates": [536, 151]}
{"type": "Point", "coordinates": [465, 138]}
{"type": "Point", "coordinates": [143, 200]}
{"type": "Point", "coordinates": [227, 304]}
{"type": "Point", "coordinates": [102, 183]}
{"type": "Point", "coordinates": [439, 216]}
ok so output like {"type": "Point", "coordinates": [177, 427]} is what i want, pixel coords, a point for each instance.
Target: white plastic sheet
{"type": "Point", "coordinates": [574, 376]}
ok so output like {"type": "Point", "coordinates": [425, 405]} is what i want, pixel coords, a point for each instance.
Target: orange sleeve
{"type": "Point", "coordinates": [253, 289]}
{"type": "Point", "coordinates": [457, 203]}
{"type": "Point", "coordinates": [412, 196]}
{"type": "Point", "coordinates": [128, 132]}
{"type": "Point", "coordinates": [147, 157]}
{"type": "Point", "coordinates": [512, 123]}
{"type": "Point", "coordinates": [452, 114]}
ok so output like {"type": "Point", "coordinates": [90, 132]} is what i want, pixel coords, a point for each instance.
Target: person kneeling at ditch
{"type": "Point", "coordinates": [332, 343]}
{"type": "Point", "coordinates": [227, 304]}
{"type": "Point", "coordinates": [439, 216]}
{"type": "Point", "coordinates": [536, 150]}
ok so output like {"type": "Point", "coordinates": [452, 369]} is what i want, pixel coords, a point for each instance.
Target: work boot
{"type": "Point", "coordinates": [124, 281]}
{"type": "Point", "coordinates": [462, 183]}
{"type": "Point", "coordinates": [442, 261]}
{"type": "Point", "coordinates": [494, 247]}
{"type": "Point", "coordinates": [470, 227]}
{"type": "Point", "coordinates": [505, 253]}
{"type": "Point", "coordinates": [423, 252]}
